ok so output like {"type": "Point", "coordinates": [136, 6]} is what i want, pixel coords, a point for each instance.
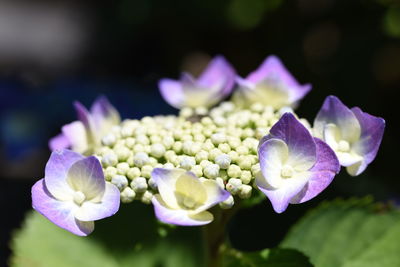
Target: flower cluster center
{"type": "Point", "coordinates": [287, 171]}
{"type": "Point", "coordinates": [79, 197]}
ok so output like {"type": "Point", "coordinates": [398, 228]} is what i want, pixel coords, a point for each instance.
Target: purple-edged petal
{"type": "Point", "coordinates": [172, 92]}
{"type": "Point", "coordinates": [179, 216]}
{"type": "Point", "coordinates": [272, 69]}
{"type": "Point", "coordinates": [75, 132]}
{"type": "Point", "coordinates": [60, 213]}
{"type": "Point", "coordinates": [372, 129]}
{"type": "Point", "coordinates": [322, 173]}
{"type": "Point", "coordinates": [281, 197]}
{"type": "Point", "coordinates": [56, 173]}
{"type": "Point", "coordinates": [166, 180]}
{"type": "Point", "coordinates": [333, 111]}
{"type": "Point", "coordinates": [272, 154]}
{"type": "Point", "coordinates": [86, 176]}
{"type": "Point", "coordinates": [59, 142]}
{"type": "Point", "coordinates": [87, 121]}
{"type": "Point", "coordinates": [108, 206]}
{"type": "Point", "coordinates": [215, 195]}
{"type": "Point", "coordinates": [102, 111]}
{"type": "Point", "coordinates": [218, 73]}
{"type": "Point", "coordinates": [301, 145]}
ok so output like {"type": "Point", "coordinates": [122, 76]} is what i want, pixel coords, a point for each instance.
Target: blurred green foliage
{"type": "Point", "coordinates": [352, 233]}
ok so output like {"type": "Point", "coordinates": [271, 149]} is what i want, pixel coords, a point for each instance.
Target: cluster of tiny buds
{"type": "Point", "coordinates": [219, 144]}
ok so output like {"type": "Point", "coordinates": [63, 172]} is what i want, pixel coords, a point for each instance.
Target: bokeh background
{"type": "Point", "coordinates": [55, 52]}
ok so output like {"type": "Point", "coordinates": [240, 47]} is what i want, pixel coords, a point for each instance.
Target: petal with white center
{"type": "Point", "coordinates": [56, 173]}
{"type": "Point", "coordinates": [272, 155]}
{"type": "Point", "coordinates": [215, 195]}
{"type": "Point", "coordinates": [61, 213]}
{"type": "Point", "coordinates": [59, 142]}
{"type": "Point", "coordinates": [322, 173]}
{"type": "Point", "coordinates": [108, 206]}
{"type": "Point", "coordinates": [86, 176]}
{"type": "Point", "coordinates": [172, 92]}
{"type": "Point", "coordinates": [76, 134]}
{"type": "Point", "coordinates": [166, 181]}
{"type": "Point", "coordinates": [178, 216]}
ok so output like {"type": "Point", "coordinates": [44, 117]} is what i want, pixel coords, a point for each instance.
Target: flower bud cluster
{"type": "Point", "coordinates": [220, 144]}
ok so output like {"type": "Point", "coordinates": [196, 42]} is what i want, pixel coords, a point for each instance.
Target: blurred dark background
{"type": "Point", "coordinates": [54, 52]}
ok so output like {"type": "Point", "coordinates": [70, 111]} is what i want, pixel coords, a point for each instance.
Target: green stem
{"type": "Point", "coordinates": [215, 235]}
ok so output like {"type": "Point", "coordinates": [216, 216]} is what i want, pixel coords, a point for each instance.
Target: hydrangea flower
{"type": "Point", "coordinates": [73, 193]}
{"type": "Point", "coordinates": [354, 135]}
{"type": "Point", "coordinates": [295, 167]}
{"type": "Point", "coordinates": [86, 133]}
{"type": "Point", "coordinates": [183, 198]}
{"type": "Point", "coordinates": [271, 84]}
{"type": "Point", "coordinates": [214, 84]}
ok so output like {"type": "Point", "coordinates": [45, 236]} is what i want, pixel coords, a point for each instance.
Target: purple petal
{"type": "Point", "coordinates": [273, 68]}
{"type": "Point", "coordinates": [61, 213]}
{"type": "Point", "coordinates": [166, 180]}
{"type": "Point", "coordinates": [372, 129]}
{"type": "Point", "coordinates": [102, 110]}
{"type": "Point", "coordinates": [86, 175]}
{"type": "Point", "coordinates": [218, 73]}
{"type": "Point", "coordinates": [302, 148]}
{"type": "Point", "coordinates": [172, 92]}
{"type": "Point", "coordinates": [179, 216]}
{"type": "Point", "coordinates": [215, 195]}
{"type": "Point", "coordinates": [322, 173]}
{"type": "Point", "coordinates": [281, 197]}
{"type": "Point", "coordinates": [335, 112]}
{"type": "Point", "coordinates": [56, 172]}
{"type": "Point", "coordinates": [108, 206]}
{"type": "Point", "coordinates": [59, 142]}
{"type": "Point", "coordinates": [85, 117]}
{"type": "Point", "coordinates": [76, 134]}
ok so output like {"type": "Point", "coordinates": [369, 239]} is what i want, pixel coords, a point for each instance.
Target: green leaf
{"type": "Point", "coordinates": [130, 238]}
{"type": "Point", "coordinates": [267, 257]}
{"type": "Point", "coordinates": [350, 233]}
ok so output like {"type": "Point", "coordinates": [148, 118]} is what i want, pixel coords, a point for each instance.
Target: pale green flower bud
{"type": "Point", "coordinates": [142, 139]}
{"type": "Point", "coordinates": [152, 183]}
{"type": "Point", "coordinates": [146, 171]}
{"type": "Point", "coordinates": [205, 163]}
{"type": "Point", "coordinates": [245, 191]}
{"type": "Point", "coordinates": [140, 159]}
{"type": "Point", "coordinates": [168, 141]}
{"type": "Point", "coordinates": [211, 171]}
{"type": "Point", "coordinates": [127, 195]}
{"type": "Point", "coordinates": [220, 121]}
{"type": "Point", "coordinates": [246, 177]}
{"type": "Point", "coordinates": [220, 182]}
{"type": "Point", "coordinates": [207, 132]}
{"type": "Point", "coordinates": [146, 197]}
{"type": "Point", "coordinates": [133, 173]}
{"type": "Point", "coordinates": [245, 162]}
{"type": "Point", "coordinates": [122, 153]}
{"type": "Point", "coordinates": [214, 153]}
{"type": "Point", "coordinates": [206, 121]}
{"type": "Point", "coordinates": [152, 161]}
{"type": "Point", "coordinates": [199, 137]}
{"type": "Point", "coordinates": [261, 132]}
{"type": "Point", "coordinates": [233, 155]}
{"type": "Point", "coordinates": [187, 146]}
{"type": "Point", "coordinates": [201, 155]}
{"type": "Point", "coordinates": [247, 132]}
{"type": "Point", "coordinates": [197, 170]}
{"type": "Point", "coordinates": [169, 166]}
{"type": "Point", "coordinates": [233, 185]}
{"type": "Point", "coordinates": [224, 147]}
{"type": "Point", "coordinates": [201, 111]}
{"type": "Point", "coordinates": [223, 174]}
{"type": "Point", "coordinates": [155, 139]}
{"type": "Point", "coordinates": [284, 110]}
{"type": "Point", "coordinates": [255, 169]}
{"type": "Point", "coordinates": [228, 203]}
{"type": "Point", "coordinates": [110, 172]}
{"type": "Point", "coordinates": [130, 161]}
{"type": "Point", "coordinates": [234, 171]}
{"type": "Point", "coordinates": [168, 154]}
{"type": "Point", "coordinates": [187, 162]}
{"type": "Point", "coordinates": [234, 142]}
{"type": "Point", "coordinates": [139, 184]}
{"type": "Point", "coordinates": [138, 148]}
{"type": "Point", "coordinates": [109, 140]}
{"type": "Point", "coordinates": [218, 138]}
{"type": "Point", "coordinates": [122, 168]}
{"type": "Point", "coordinates": [242, 150]}
{"type": "Point", "coordinates": [257, 107]}
{"type": "Point", "coordinates": [187, 137]}
{"type": "Point", "coordinates": [223, 160]}
{"type": "Point", "coordinates": [227, 106]}
{"type": "Point", "coordinates": [208, 145]}
{"type": "Point", "coordinates": [119, 181]}
{"type": "Point", "coordinates": [157, 150]}
{"type": "Point", "coordinates": [186, 112]}
{"type": "Point", "coordinates": [109, 159]}
{"type": "Point", "coordinates": [177, 133]}
{"type": "Point", "coordinates": [177, 147]}
{"type": "Point", "coordinates": [127, 131]}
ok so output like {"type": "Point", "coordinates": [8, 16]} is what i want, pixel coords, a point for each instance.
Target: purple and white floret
{"type": "Point", "coordinates": [213, 85]}
{"type": "Point", "coordinates": [354, 135]}
{"type": "Point", "coordinates": [294, 166]}
{"type": "Point", "coordinates": [271, 84]}
{"type": "Point", "coordinates": [183, 198]}
{"type": "Point", "coordinates": [73, 194]}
